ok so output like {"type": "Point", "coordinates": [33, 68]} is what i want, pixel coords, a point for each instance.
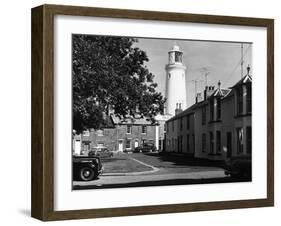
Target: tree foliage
{"type": "Point", "coordinates": [110, 72]}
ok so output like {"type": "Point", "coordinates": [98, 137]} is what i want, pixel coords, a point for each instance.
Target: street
{"type": "Point", "coordinates": [152, 169]}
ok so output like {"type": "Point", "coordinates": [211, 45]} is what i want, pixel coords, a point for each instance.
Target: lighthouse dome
{"type": "Point", "coordinates": [176, 48]}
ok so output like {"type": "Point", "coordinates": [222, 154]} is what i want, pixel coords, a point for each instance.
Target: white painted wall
{"type": "Point", "coordinates": [15, 112]}
{"type": "Point", "coordinates": [175, 87]}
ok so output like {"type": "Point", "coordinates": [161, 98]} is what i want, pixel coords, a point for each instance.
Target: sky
{"type": "Point", "coordinates": [222, 61]}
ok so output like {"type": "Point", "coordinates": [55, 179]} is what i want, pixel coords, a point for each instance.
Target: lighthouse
{"type": "Point", "coordinates": [175, 82]}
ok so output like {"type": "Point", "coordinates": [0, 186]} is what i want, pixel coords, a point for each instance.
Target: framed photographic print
{"type": "Point", "coordinates": [141, 112]}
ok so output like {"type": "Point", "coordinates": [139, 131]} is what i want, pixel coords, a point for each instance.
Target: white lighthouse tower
{"type": "Point", "coordinates": [175, 82]}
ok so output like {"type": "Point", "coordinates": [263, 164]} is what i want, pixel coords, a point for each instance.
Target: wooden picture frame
{"type": "Point", "coordinates": [42, 203]}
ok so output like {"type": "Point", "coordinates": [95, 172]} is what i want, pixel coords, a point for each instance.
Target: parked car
{"type": "Point", "coordinates": [101, 152]}
{"type": "Point", "coordinates": [86, 168]}
{"type": "Point", "coordinates": [146, 147]}
{"type": "Point", "coordinates": [239, 167]}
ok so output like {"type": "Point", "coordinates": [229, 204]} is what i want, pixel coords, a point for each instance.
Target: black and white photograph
{"type": "Point", "coordinates": [159, 112]}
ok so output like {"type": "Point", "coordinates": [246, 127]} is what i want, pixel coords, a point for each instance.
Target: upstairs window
{"type": "Point", "coordinates": [204, 115]}
{"type": "Point", "coordinates": [181, 123]}
{"type": "Point", "coordinates": [240, 100]}
{"type": "Point", "coordinates": [86, 133]}
{"type": "Point", "coordinates": [129, 129]}
{"type": "Point", "coordinates": [219, 108]}
{"type": "Point", "coordinates": [187, 122]}
{"type": "Point", "coordinates": [249, 99]}
{"type": "Point", "coordinates": [211, 110]}
{"type": "Point", "coordinates": [143, 129]}
{"type": "Point", "coordinates": [100, 132]}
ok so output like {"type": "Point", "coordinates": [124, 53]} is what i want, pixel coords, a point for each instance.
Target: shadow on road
{"type": "Point", "coordinates": [186, 160]}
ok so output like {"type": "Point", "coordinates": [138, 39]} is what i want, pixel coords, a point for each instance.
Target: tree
{"type": "Point", "coordinates": [110, 72]}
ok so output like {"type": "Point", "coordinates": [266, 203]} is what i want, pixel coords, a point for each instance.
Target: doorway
{"type": "Point", "coordinates": [120, 145]}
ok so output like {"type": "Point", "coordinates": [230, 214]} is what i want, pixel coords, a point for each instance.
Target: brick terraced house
{"type": "Point", "coordinates": [119, 135]}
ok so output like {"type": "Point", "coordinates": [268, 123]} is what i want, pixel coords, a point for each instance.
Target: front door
{"type": "Point", "coordinates": [229, 144]}
{"type": "Point", "coordinates": [120, 145]}
{"type": "Point", "coordinates": [77, 147]}
{"type": "Point", "coordinates": [136, 143]}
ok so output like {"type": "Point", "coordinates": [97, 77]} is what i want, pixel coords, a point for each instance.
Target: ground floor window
{"type": "Point", "coordinates": [204, 142]}
{"type": "Point", "coordinates": [239, 137]}
{"type": "Point", "coordinates": [128, 143]}
{"type": "Point", "coordinates": [249, 139]}
{"type": "Point", "coordinates": [211, 143]}
{"type": "Point", "coordinates": [180, 143]}
{"type": "Point", "coordinates": [100, 144]}
{"type": "Point", "coordinates": [218, 143]}
{"type": "Point", "coordinates": [187, 143]}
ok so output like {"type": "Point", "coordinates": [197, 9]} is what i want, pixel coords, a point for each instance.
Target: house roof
{"type": "Point", "coordinates": [137, 120]}
{"type": "Point", "coordinates": [246, 79]}
{"type": "Point", "coordinates": [185, 112]}
{"type": "Point", "coordinates": [220, 92]}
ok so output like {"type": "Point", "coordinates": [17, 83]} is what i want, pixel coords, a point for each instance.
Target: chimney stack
{"type": "Point", "coordinates": [178, 108]}
{"type": "Point", "coordinates": [208, 91]}
{"type": "Point", "coordinates": [198, 98]}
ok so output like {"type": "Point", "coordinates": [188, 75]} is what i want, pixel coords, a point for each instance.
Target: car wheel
{"type": "Point", "coordinates": [87, 174]}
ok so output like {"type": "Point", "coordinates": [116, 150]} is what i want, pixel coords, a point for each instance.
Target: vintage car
{"type": "Point", "coordinates": [101, 152]}
{"type": "Point", "coordinates": [86, 168]}
{"type": "Point", "coordinates": [146, 147]}
{"type": "Point", "coordinates": [239, 167]}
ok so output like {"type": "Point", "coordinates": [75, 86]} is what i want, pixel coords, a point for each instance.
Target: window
{"type": "Point", "coordinates": [178, 57]}
{"type": "Point", "coordinates": [193, 143]}
{"type": "Point", "coordinates": [204, 115]}
{"type": "Point", "coordinates": [129, 129]}
{"type": "Point", "coordinates": [239, 137]}
{"type": "Point", "coordinates": [187, 143]}
{"type": "Point", "coordinates": [173, 126]}
{"type": "Point", "coordinates": [211, 110]}
{"type": "Point", "coordinates": [143, 129]}
{"type": "Point", "coordinates": [211, 143]}
{"type": "Point", "coordinates": [204, 142]}
{"type": "Point", "coordinates": [86, 133]}
{"type": "Point", "coordinates": [187, 122]}
{"type": "Point", "coordinates": [169, 76]}
{"type": "Point", "coordinates": [100, 133]}
{"type": "Point", "coordinates": [218, 108]}
{"type": "Point", "coordinates": [181, 119]}
{"type": "Point", "coordinates": [143, 141]}
{"type": "Point", "coordinates": [100, 144]}
{"type": "Point", "coordinates": [240, 100]}
{"type": "Point", "coordinates": [128, 143]}
{"type": "Point", "coordinates": [180, 143]}
{"type": "Point", "coordinates": [249, 99]}
{"type": "Point", "coordinates": [218, 142]}
{"type": "Point", "coordinates": [249, 139]}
